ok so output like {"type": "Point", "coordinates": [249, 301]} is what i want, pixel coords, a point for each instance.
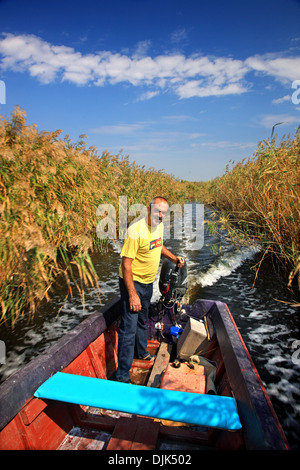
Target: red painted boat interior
{"type": "Point", "coordinates": [90, 349]}
{"type": "Point", "coordinates": [46, 424]}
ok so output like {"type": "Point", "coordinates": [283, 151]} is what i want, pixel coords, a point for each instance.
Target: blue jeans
{"type": "Point", "coordinates": [133, 329]}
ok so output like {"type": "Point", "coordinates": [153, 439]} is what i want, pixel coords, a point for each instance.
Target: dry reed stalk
{"type": "Point", "coordinates": [261, 197]}
{"type": "Point", "coordinates": [50, 189]}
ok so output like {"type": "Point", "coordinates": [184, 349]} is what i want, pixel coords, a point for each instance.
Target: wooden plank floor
{"type": "Point", "coordinates": [85, 439]}
{"type": "Point", "coordinates": [112, 430]}
{"type": "Point", "coordinates": [134, 434]}
{"type": "Point", "coordinates": [160, 365]}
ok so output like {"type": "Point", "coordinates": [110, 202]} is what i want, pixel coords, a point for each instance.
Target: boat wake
{"type": "Point", "coordinates": [223, 267]}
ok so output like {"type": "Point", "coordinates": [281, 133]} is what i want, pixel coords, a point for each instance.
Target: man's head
{"type": "Point", "coordinates": [157, 210]}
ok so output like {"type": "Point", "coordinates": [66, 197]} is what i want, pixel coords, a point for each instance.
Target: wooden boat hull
{"type": "Point", "coordinates": [90, 349]}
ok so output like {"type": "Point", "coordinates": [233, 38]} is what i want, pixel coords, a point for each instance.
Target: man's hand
{"type": "Point", "coordinates": [180, 261]}
{"type": "Point", "coordinates": [135, 303]}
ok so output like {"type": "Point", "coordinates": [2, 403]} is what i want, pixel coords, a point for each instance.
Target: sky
{"type": "Point", "coordinates": [184, 86]}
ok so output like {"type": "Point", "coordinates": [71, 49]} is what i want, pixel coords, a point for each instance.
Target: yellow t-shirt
{"type": "Point", "coordinates": [143, 244]}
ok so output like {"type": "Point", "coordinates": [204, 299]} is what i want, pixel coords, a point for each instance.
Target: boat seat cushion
{"type": "Point", "coordinates": [193, 408]}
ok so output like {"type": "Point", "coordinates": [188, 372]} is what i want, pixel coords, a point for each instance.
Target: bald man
{"type": "Point", "coordinates": [140, 254]}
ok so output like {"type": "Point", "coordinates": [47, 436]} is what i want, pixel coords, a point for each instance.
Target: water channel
{"type": "Point", "coordinates": [263, 313]}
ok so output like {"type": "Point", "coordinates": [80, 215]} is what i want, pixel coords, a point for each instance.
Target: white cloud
{"type": "Point", "coordinates": [225, 144]}
{"type": "Point", "coordinates": [178, 35]}
{"type": "Point", "coordinates": [269, 120]}
{"type": "Point", "coordinates": [181, 117]}
{"type": "Point", "coordinates": [192, 76]}
{"type": "Point", "coordinates": [121, 129]}
{"type": "Point", "coordinates": [195, 88]}
{"type": "Point", "coordinates": [142, 48]}
{"type": "Point", "coordinates": [148, 95]}
{"type": "Point", "coordinates": [282, 100]}
{"type": "Point", "coordinates": [285, 69]}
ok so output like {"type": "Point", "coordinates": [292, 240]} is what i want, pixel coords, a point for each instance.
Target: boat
{"type": "Point", "coordinates": [200, 391]}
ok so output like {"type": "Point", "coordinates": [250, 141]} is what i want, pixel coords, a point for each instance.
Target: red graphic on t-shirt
{"type": "Point", "coordinates": [155, 243]}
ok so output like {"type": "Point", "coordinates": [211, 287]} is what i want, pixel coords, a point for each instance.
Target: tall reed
{"type": "Point", "coordinates": [50, 189]}
{"type": "Point", "coordinates": [260, 201]}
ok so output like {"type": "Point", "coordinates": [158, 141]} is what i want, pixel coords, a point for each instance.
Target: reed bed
{"type": "Point", "coordinates": [259, 200]}
{"type": "Point", "coordinates": [50, 189]}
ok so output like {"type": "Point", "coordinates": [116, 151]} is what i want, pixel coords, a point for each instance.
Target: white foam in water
{"type": "Point", "coordinates": [117, 245]}
{"type": "Point", "coordinates": [226, 265]}
{"type": "Point", "coordinates": [259, 315]}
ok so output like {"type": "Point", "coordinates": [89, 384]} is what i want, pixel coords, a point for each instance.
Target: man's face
{"type": "Point", "coordinates": [157, 212]}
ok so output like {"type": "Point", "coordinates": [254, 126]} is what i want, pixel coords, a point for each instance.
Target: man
{"type": "Point", "coordinates": [141, 254]}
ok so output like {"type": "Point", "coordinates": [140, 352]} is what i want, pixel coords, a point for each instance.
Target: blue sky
{"type": "Point", "coordinates": [184, 86]}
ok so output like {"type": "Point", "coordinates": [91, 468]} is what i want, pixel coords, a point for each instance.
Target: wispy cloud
{"type": "Point", "coordinates": [148, 95]}
{"type": "Point", "coordinates": [179, 118]}
{"type": "Point", "coordinates": [120, 129]}
{"type": "Point", "coordinates": [282, 100]}
{"type": "Point", "coordinates": [197, 88]}
{"type": "Point", "coordinates": [225, 144]}
{"type": "Point", "coordinates": [142, 48]}
{"type": "Point", "coordinates": [269, 120]}
{"type": "Point", "coordinates": [187, 77]}
{"type": "Point", "coordinates": [178, 35]}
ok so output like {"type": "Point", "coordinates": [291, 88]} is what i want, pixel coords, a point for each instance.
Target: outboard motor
{"type": "Point", "coordinates": [165, 315]}
{"type": "Point", "coordinates": [173, 282]}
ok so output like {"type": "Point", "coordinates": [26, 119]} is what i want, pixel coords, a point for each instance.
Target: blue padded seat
{"type": "Point", "coordinates": [193, 408]}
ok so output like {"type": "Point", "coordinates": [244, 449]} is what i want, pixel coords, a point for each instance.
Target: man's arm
{"type": "Point", "coordinates": [134, 300]}
{"type": "Point", "coordinates": [178, 260]}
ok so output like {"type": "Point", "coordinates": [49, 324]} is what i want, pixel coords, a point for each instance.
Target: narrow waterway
{"type": "Point", "coordinates": [267, 321]}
